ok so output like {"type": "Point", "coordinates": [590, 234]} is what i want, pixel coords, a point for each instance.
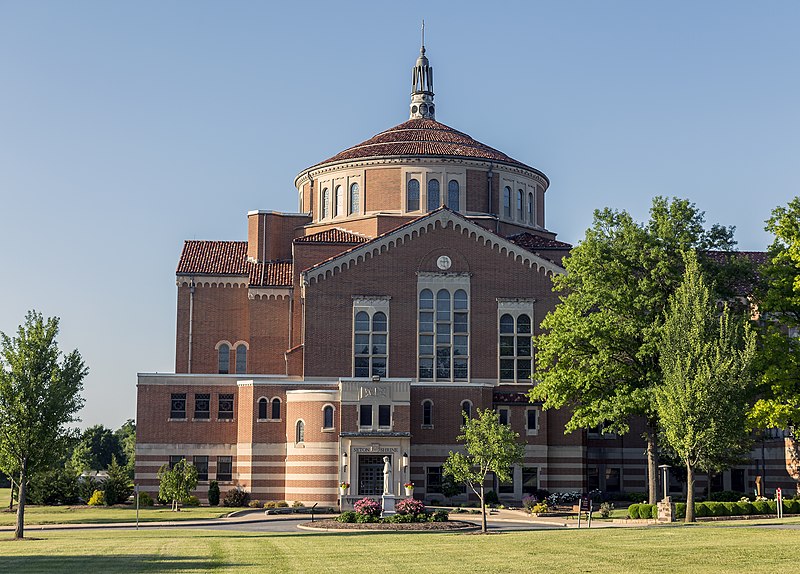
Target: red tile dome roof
{"type": "Point", "coordinates": [423, 137]}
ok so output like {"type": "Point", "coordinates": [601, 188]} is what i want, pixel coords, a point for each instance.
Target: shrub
{"type": "Point", "coordinates": [282, 504]}
{"type": "Point", "coordinates": [762, 506]}
{"type": "Point", "coordinates": [540, 507]}
{"type": "Point", "coordinates": [491, 497]}
{"type": "Point", "coordinates": [255, 503]}
{"type": "Point", "coordinates": [680, 510]}
{"type": "Point", "coordinates": [439, 516]}
{"type": "Point", "coordinates": [637, 497]}
{"type": "Point", "coordinates": [606, 508]}
{"type": "Point", "coordinates": [192, 501]}
{"type": "Point", "coordinates": [436, 502]}
{"type": "Point", "coordinates": [56, 486]}
{"type": "Point", "coordinates": [633, 510]}
{"type": "Point", "coordinates": [236, 497]}
{"type": "Point", "coordinates": [725, 496]}
{"type": "Point", "coordinates": [701, 510]}
{"type": "Point", "coordinates": [347, 516]}
{"type": "Point", "coordinates": [410, 506]}
{"type": "Point", "coordinates": [98, 498]}
{"type": "Point", "coordinates": [400, 518]}
{"type": "Point", "coordinates": [86, 487]}
{"type": "Point", "coordinates": [773, 507]}
{"type": "Point", "coordinates": [746, 508]}
{"type": "Point", "coordinates": [528, 502]}
{"type": "Point", "coordinates": [213, 493]}
{"type": "Point", "coordinates": [648, 511]}
{"type": "Point", "coordinates": [367, 507]}
{"type": "Point", "coordinates": [541, 493]}
{"type": "Point", "coordinates": [793, 506]}
{"type": "Point", "coordinates": [715, 508]}
{"type": "Point", "coordinates": [145, 499]}
{"type": "Point", "coordinates": [298, 504]}
{"type": "Point", "coordinates": [270, 504]}
{"type": "Point", "coordinates": [118, 486]}
{"type": "Point", "coordinates": [362, 518]}
{"type": "Point", "coordinates": [732, 509]}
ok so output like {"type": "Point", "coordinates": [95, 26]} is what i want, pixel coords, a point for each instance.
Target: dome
{"type": "Point", "coordinates": [423, 137]}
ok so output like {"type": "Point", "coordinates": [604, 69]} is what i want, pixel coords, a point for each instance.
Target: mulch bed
{"type": "Point", "coordinates": [395, 526]}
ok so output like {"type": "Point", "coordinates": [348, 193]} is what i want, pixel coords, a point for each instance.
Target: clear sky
{"type": "Point", "coordinates": [126, 128]}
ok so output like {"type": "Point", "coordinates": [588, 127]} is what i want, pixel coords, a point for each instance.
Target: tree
{"type": "Point", "coordinates": [491, 447]}
{"type": "Point", "coordinates": [177, 484]}
{"type": "Point", "coordinates": [705, 360]}
{"type": "Point", "coordinates": [96, 447]}
{"type": "Point", "coordinates": [598, 353]}
{"type": "Point", "coordinates": [118, 486]}
{"type": "Point", "coordinates": [39, 396]}
{"type": "Point", "coordinates": [778, 357]}
{"type": "Point", "coordinates": [126, 436]}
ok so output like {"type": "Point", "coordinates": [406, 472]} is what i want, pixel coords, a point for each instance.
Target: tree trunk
{"type": "Point", "coordinates": [11, 495]}
{"type": "Point", "coordinates": [689, 493]}
{"type": "Point", "coordinates": [652, 465]}
{"type": "Point", "coordinates": [19, 531]}
{"type": "Point", "coordinates": [483, 510]}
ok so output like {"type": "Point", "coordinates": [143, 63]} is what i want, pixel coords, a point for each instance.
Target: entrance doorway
{"type": "Point", "coordinates": [370, 475]}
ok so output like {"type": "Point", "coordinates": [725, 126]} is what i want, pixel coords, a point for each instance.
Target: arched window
{"type": "Point", "coordinates": [434, 200]}
{"type": "Point", "coordinates": [520, 204]}
{"type": "Point", "coordinates": [224, 359]}
{"type": "Point", "coordinates": [355, 199]}
{"type": "Point", "coordinates": [276, 409]}
{"type": "Point", "coordinates": [507, 201]}
{"type": "Point", "coordinates": [370, 350]}
{"type": "Point", "coordinates": [530, 208]}
{"type": "Point", "coordinates": [452, 195]}
{"type": "Point", "coordinates": [262, 408]}
{"type": "Point", "coordinates": [300, 432]}
{"type": "Point", "coordinates": [412, 195]}
{"type": "Point", "coordinates": [515, 347]}
{"type": "Point", "coordinates": [326, 197]}
{"type": "Point", "coordinates": [241, 359]}
{"type": "Point", "coordinates": [443, 335]}
{"type": "Point", "coordinates": [466, 411]}
{"type": "Point", "coordinates": [327, 417]}
{"type": "Point", "coordinates": [427, 412]}
{"type": "Point", "coordinates": [338, 206]}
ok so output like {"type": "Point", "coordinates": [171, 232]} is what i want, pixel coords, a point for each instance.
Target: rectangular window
{"type": "Point", "coordinates": [201, 464]}
{"type": "Point", "coordinates": [612, 480]}
{"type": "Point", "coordinates": [503, 415]}
{"type": "Point", "coordinates": [175, 459]}
{"type": "Point", "coordinates": [593, 478]}
{"type": "Point", "coordinates": [177, 408]}
{"type": "Point", "coordinates": [225, 411]}
{"type": "Point", "coordinates": [514, 346]}
{"type": "Point", "coordinates": [384, 415]}
{"type": "Point", "coordinates": [530, 480]}
{"type": "Point", "coordinates": [443, 328]}
{"type": "Point", "coordinates": [202, 406]}
{"type": "Point", "coordinates": [532, 421]}
{"type": "Point", "coordinates": [508, 486]}
{"type": "Point", "coordinates": [365, 416]}
{"type": "Point", "coordinates": [433, 480]}
{"type": "Point", "coordinates": [370, 337]}
{"type": "Point", "coordinates": [224, 468]}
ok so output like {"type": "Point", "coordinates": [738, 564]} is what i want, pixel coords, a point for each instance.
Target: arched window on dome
{"type": "Point", "coordinates": [326, 197]}
{"type": "Point", "coordinates": [338, 207]}
{"type": "Point", "coordinates": [521, 204]}
{"type": "Point", "coordinates": [434, 200]}
{"type": "Point", "coordinates": [355, 199]}
{"type": "Point", "coordinates": [453, 195]}
{"type": "Point", "coordinates": [412, 195]}
{"type": "Point", "coordinates": [507, 201]}
{"type": "Point", "coordinates": [530, 208]}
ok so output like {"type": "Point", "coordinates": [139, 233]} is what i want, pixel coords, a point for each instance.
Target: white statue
{"type": "Point", "coordinates": [387, 475]}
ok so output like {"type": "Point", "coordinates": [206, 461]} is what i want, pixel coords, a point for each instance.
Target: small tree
{"type": "Point", "coordinates": [177, 484]}
{"type": "Point", "coordinates": [705, 360]}
{"type": "Point", "coordinates": [213, 493]}
{"type": "Point", "coordinates": [491, 447]}
{"type": "Point", "coordinates": [118, 486]}
{"type": "Point", "coordinates": [39, 396]}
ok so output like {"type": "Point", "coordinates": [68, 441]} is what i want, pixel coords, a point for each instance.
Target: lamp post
{"type": "Point", "coordinates": [665, 478]}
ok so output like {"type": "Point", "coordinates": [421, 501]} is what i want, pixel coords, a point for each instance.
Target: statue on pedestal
{"type": "Point", "coordinates": [387, 475]}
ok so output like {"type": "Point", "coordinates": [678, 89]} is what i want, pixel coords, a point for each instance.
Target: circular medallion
{"type": "Point", "coordinates": [443, 263]}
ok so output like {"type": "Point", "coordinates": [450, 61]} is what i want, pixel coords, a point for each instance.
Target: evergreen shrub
{"type": "Point", "coordinates": [145, 499]}
{"type": "Point", "coordinates": [192, 501]}
{"type": "Point", "coordinates": [213, 493]}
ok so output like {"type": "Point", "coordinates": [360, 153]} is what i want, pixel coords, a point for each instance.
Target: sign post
{"type": "Point", "coordinates": [585, 505]}
{"type": "Point", "coordinates": [779, 498]}
{"type": "Point", "coordinates": [136, 494]}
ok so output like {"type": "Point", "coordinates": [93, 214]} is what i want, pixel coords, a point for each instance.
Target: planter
{"type": "Point", "coordinates": [409, 492]}
{"type": "Point", "coordinates": [342, 491]}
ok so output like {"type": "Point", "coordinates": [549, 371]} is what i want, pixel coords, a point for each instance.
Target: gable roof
{"type": "Point", "coordinates": [442, 217]}
{"type": "Point", "coordinates": [333, 235]}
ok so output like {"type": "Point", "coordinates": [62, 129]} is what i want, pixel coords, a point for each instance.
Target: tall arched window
{"type": "Point", "coordinates": [327, 417]}
{"type": "Point", "coordinates": [530, 208]}
{"type": "Point", "coordinates": [276, 409]}
{"type": "Point", "coordinates": [326, 198]}
{"type": "Point", "coordinates": [241, 359]}
{"type": "Point", "coordinates": [224, 359]}
{"type": "Point", "coordinates": [443, 335]}
{"type": "Point", "coordinates": [427, 412]}
{"type": "Point", "coordinates": [434, 199]}
{"type": "Point", "coordinates": [412, 195]}
{"type": "Point", "coordinates": [370, 351]}
{"type": "Point", "coordinates": [300, 432]}
{"type": "Point", "coordinates": [338, 206]}
{"type": "Point", "coordinates": [466, 411]}
{"type": "Point", "coordinates": [355, 199]}
{"type": "Point", "coordinates": [262, 408]}
{"type": "Point", "coordinates": [507, 201]}
{"type": "Point", "coordinates": [521, 204]}
{"type": "Point", "coordinates": [515, 347]}
{"type": "Point", "coordinates": [452, 195]}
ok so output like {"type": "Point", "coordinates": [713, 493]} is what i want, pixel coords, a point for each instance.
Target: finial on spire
{"type": "Point", "coordinates": [422, 85]}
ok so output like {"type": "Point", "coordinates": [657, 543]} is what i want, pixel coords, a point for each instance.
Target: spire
{"type": "Point", "coordinates": [422, 85]}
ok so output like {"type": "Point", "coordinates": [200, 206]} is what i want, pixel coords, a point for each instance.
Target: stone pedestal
{"type": "Point", "coordinates": [387, 503]}
{"type": "Point", "coordinates": [666, 510]}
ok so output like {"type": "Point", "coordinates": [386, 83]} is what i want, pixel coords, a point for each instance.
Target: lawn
{"type": "Point", "coordinates": [707, 549]}
{"type": "Point", "coordinates": [100, 514]}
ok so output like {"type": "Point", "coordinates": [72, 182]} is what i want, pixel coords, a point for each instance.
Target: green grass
{"type": "Point", "coordinates": [5, 493]}
{"type": "Point", "coordinates": [707, 549]}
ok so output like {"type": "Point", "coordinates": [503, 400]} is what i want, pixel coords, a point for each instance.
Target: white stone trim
{"type": "Point", "coordinates": [213, 280]}
{"type": "Point", "coordinates": [269, 293]}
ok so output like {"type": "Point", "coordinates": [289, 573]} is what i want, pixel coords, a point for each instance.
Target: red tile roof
{"type": "Point", "coordinates": [533, 242]}
{"type": "Point", "coordinates": [230, 258]}
{"type": "Point", "coordinates": [334, 235]}
{"type": "Point", "coordinates": [423, 137]}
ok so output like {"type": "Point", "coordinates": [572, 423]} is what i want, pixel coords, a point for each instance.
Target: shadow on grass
{"type": "Point", "coordinates": [122, 563]}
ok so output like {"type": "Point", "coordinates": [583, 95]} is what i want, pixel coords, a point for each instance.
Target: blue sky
{"type": "Point", "coordinates": [126, 128]}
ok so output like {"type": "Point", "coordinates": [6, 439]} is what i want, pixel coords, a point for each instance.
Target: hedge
{"type": "Point", "coordinates": [713, 509]}
{"type": "Point", "coordinates": [645, 511]}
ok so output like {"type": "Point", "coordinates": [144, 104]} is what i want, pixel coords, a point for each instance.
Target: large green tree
{"type": "Point", "coordinates": [778, 359]}
{"type": "Point", "coordinates": [598, 354]}
{"type": "Point", "coordinates": [491, 447]}
{"type": "Point", "coordinates": [177, 483]}
{"type": "Point", "coordinates": [40, 394]}
{"type": "Point", "coordinates": [705, 360]}
{"type": "Point", "coordinates": [96, 448]}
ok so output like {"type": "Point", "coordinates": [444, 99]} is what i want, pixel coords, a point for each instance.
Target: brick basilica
{"type": "Point", "coordinates": [403, 292]}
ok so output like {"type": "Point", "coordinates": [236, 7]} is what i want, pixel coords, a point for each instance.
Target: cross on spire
{"type": "Point", "coordinates": [422, 85]}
